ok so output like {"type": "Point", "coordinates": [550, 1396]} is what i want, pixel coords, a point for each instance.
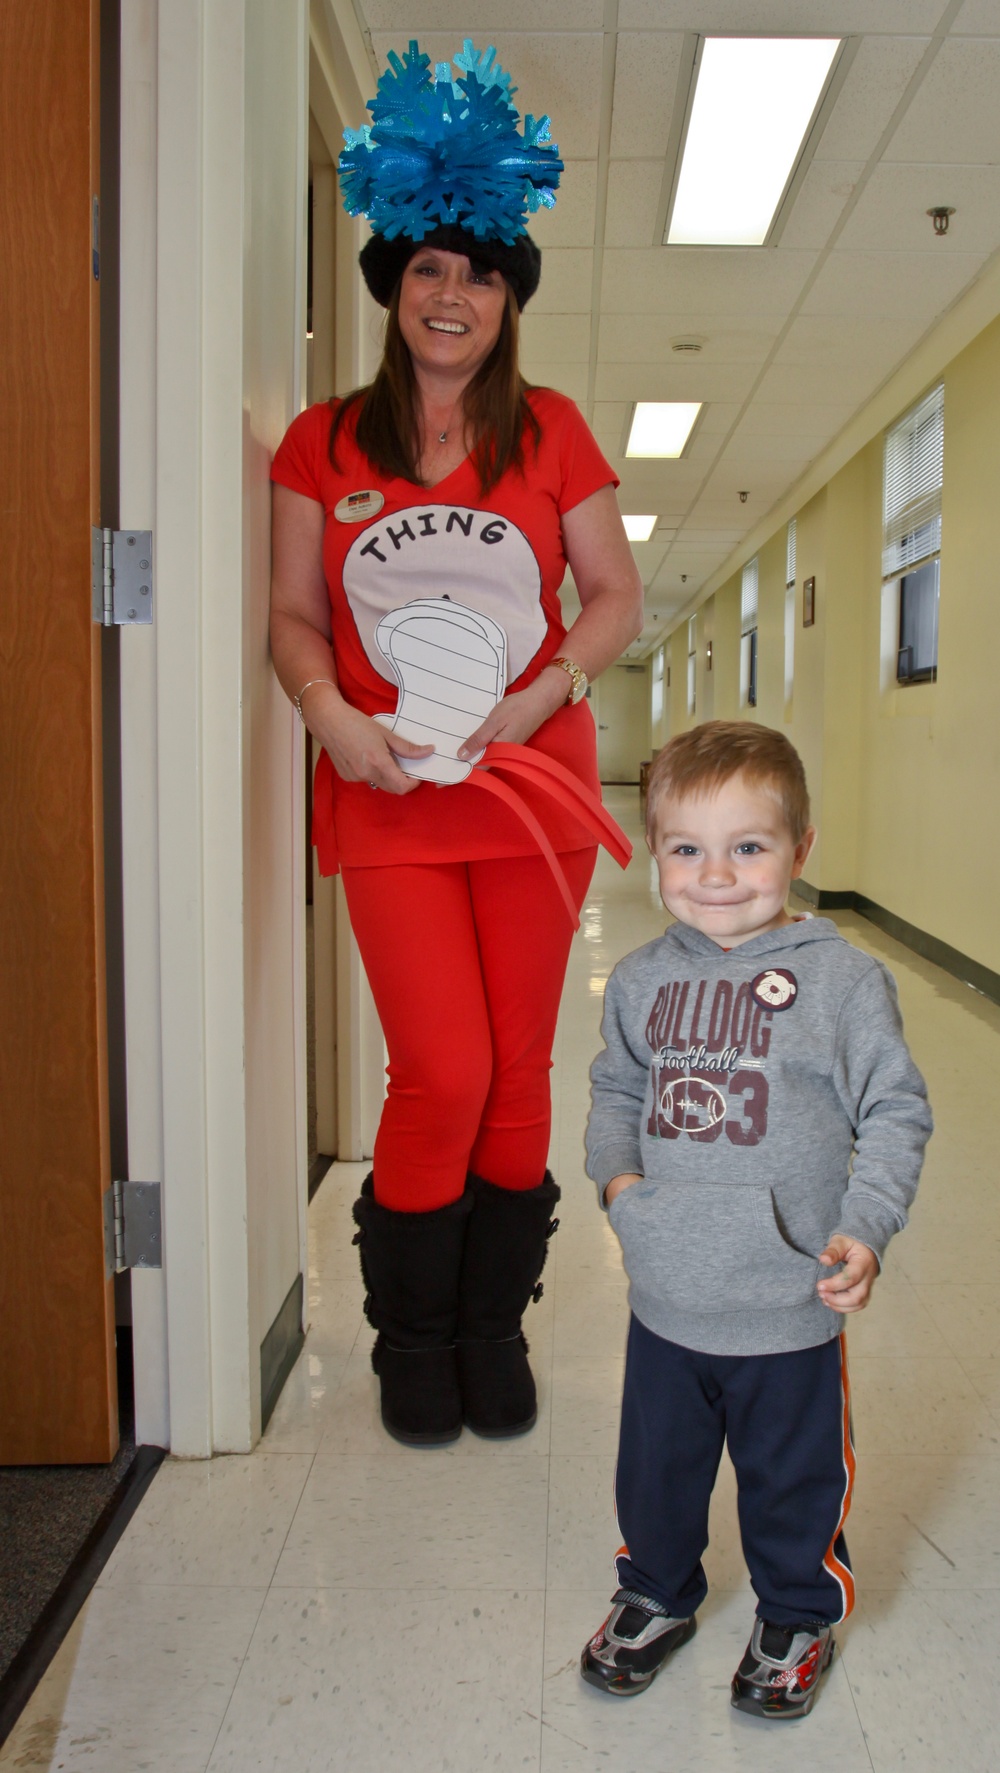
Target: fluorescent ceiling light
{"type": "Point", "coordinates": [752, 105]}
{"type": "Point", "coordinates": [639, 529]}
{"type": "Point", "coordinates": [661, 427]}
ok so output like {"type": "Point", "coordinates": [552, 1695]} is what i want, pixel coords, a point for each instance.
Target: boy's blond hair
{"type": "Point", "coordinates": [700, 761]}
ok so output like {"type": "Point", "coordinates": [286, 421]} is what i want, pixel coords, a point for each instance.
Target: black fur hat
{"type": "Point", "coordinates": [383, 261]}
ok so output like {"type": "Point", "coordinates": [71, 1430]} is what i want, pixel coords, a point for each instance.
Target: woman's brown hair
{"type": "Point", "coordinates": [495, 405]}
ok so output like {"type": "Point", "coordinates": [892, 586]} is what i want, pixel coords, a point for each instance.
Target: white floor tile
{"type": "Point", "coordinates": [140, 1685]}
{"type": "Point", "coordinates": [212, 1523]}
{"type": "Point", "coordinates": [931, 1522]}
{"type": "Point", "coordinates": [922, 1669]}
{"type": "Point", "coordinates": [430, 1681]}
{"type": "Point", "coordinates": [913, 1405]}
{"type": "Point", "coordinates": [386, 1523]}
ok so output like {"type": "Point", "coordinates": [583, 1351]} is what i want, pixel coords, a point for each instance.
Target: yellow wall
{"type": "Point", "coordinates": [903, 780]}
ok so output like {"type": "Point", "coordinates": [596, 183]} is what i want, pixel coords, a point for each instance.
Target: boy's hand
{"type": "Point", "coordinates": [616, 1185]}
{"type": "Point", "coordinates": [851, 1289]}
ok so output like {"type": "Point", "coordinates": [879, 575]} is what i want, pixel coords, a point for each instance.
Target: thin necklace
{"type": "Point", "coordinates": [443, 435]}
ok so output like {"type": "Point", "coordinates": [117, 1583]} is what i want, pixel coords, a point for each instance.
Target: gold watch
{"type": "Point", "coordinates": [579, 682]}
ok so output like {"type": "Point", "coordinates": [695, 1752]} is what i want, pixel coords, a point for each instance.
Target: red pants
{"type": "Point", "coordinates": [466, 963]}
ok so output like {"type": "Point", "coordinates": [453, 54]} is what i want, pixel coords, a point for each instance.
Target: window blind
{"type": "Point", "coordinates": [914, 466]}
{"type": "Point", "coordinates": [748, 598]}
{"type": "Point", "coordinates": [790, 545]}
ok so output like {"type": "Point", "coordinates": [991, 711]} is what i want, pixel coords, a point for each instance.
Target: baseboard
{"type": "Point", "coordinates": [950, 960]}
{"type": "Point", "coordinates": [280, 1350]}
{"type": "Point", "coordinates": [317, 1170]}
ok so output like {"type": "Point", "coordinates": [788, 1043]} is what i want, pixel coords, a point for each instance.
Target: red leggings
{"type": "Point", "coordinates": [466, 962]}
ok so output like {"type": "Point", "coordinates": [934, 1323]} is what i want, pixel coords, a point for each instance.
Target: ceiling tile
{"type": "Point", "coordinates": [568, 378]}
{"type": "Point", "coordinates": [729, 338]}
{"type": "Point", "coordinates": [558, 73]}
{"type": "Point", "coordinates": [780, 16]}
{"type": "Point", "coordinates": [822, 339]}
{"type": "Point", "coordinates": [815, 425]}
{"type": "Point", "coordinates": [566, 280]}
{"type": "Point", "coordinates": [891, 213]}
{"type": "Point", "coordinates": [554, 338]}
{"type": "Point", "coordinates": [978, 18]}
{"type": "Point", "coordinates": [875, 83]}
{"type": "Point", "coordinates": [955, 117]}
{"type": "Point", "coordinates": [904, 284]}
{"type": "Point", "coordinates": [793, 453]}
{"type": "Point", "coordinates": [694, 540]}
{"type": "Point", "coordinates": [649, 557]}
{"type": "Point", "coordinates": [646, 68]}
{"type": "Point", "coordinates": [820, 202]}
{"type": "Point", "coordinates": [821, 383]}
{"type": "Point", "coordinates": [633, 196]}
{"type": "Point", "coordinates": [662, 279]}
{"type": "Point", "coordinates": [571, 222]}
{"type": "Point", "coordinates": [679, 380]}
{"type": "Point", "coordinates": [478, 18]}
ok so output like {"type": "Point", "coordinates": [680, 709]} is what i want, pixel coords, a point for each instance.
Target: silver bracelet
{"type": "Point", "coordinates": [297, 700]}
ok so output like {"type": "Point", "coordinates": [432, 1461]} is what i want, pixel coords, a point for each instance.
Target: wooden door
{"type": "Point", "coordinates": [57, 1384]}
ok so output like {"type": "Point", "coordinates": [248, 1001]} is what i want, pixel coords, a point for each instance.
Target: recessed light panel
{"type": "Point", "coordinates": [752, 105]}
{"type": "Point", "coordinates": [639, 529]}
{"type": "Point", "coordinates": [661, 427]}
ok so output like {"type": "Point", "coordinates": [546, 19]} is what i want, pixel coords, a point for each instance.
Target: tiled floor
{"type": "Point", "coordinates": [337, 1602]}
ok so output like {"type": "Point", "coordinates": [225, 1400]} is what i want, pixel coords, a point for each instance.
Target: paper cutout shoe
{"type": "Point", "coordinates": [450, 663]}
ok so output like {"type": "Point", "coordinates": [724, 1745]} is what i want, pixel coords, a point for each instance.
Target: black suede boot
{"type": "Point", "coordinates": [410, 1263]}
{"type": "Point", "coordinates": [505, 1250]}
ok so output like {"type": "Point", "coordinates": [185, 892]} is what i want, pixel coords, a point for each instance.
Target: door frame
{"type": "Point", "coordinates": [204, 725]}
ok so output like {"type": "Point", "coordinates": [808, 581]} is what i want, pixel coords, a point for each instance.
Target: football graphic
{"type": "Point", "coordinates": [692, 1105]}
{"type": "Point", "coordinates": [775, 990]}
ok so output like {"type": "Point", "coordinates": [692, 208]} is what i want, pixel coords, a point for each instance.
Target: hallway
{"type": "Point", "coordinates": [334, 1601]}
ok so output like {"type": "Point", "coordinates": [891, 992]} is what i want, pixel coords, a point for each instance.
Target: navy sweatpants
{"type": "Point", "coordinates": [786, 1418]}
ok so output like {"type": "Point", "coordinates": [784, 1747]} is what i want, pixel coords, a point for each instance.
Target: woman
{"type": "Point", "coordinates": [449, 487]}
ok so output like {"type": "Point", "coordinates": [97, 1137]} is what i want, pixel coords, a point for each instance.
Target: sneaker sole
{"type": "Point", "coordinates": [593, 1674]}
{"type": "Point", "coordinates": [747, 1699]}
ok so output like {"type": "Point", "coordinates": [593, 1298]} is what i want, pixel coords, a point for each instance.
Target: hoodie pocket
{"type": "Point", "coordinates": [708, 1247]}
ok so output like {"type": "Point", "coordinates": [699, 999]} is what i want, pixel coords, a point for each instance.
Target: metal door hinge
{"type": "Point", "coordinates": [132, 1231]}
{"type": "Point", "coordinates": [122, 577]}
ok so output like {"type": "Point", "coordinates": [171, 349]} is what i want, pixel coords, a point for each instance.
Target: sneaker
{"type": "Point", "coordinates": [633, 1644]}
{"type": "Point", "coordinates": [780, 1674]}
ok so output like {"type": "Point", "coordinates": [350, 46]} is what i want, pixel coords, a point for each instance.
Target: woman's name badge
{"type": "Point", "coordinates": [357, 506]}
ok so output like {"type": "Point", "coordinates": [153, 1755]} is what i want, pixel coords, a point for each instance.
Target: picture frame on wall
{"type": "Point", "coordinates": [808, 602]}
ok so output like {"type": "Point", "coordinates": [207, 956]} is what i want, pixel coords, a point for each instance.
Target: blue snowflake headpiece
{"type": "Point", "coordinates": [443, 163]}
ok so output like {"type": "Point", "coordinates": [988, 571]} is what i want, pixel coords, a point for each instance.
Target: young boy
{"type": "Point", "coordinates": [756, 1132]}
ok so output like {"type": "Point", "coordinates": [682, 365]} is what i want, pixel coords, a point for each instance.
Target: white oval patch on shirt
{"type": "Point", "coordinates": [358, 506]}
{"type": "Point", "coordinates": [474, 557]}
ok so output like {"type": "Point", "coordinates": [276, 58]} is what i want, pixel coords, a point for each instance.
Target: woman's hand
{"type": "Point", "coordinates": [360, 749]}
{"type": "Point", "coordinates": [518, 716]}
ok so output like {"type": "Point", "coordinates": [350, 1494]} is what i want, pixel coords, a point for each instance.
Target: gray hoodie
{"type": "Point", "coordinates": [767, 1098]}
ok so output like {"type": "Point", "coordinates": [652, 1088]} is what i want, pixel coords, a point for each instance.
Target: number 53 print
{"type": "Point", "coordinates": [701, 1103]}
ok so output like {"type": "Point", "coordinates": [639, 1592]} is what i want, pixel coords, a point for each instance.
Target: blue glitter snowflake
{"type": "Point", "coordinates": [446, 150]}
